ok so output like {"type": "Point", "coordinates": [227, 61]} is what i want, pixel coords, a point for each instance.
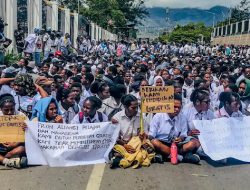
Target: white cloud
{"type": "Point", "coordinates": [204, 4]}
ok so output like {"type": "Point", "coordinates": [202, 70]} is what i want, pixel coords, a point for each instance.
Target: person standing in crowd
{"type": "Point", "coordinates": [30, 43]}
{"type": "Point", "coordinates": [47, 43]}
{"type": "Point", "coordinates": [65, 44]}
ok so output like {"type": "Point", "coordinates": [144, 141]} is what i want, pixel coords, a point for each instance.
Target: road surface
{"type": "Point", "coordinates": [209, 175]}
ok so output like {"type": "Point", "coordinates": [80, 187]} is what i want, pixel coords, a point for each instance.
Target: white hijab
{"type": "Point", "coordinates": [156, 78]}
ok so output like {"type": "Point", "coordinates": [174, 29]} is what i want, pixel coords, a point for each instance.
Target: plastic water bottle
{"type": "Point", "coordinates": [174, 154]}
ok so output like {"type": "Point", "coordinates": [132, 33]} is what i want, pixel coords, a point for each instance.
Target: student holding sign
{"type": "Point", "coordinates": [47, 110]}
{"type": "Point", "coordinates": [129, 120]}
{"type": "Point", "coordinates": [199, 110]}
{"type": "Point", "coordinates": [12, 154]}
{"type": "Point", "coordinates": [89, 113]}
{"type": "Point", "coordinates": [230, 105]}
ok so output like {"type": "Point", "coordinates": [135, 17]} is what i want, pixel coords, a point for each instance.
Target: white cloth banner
{"type": "Point", "coordinates": [225, 137]}
{"type": "Point", "coordinates": [59, 145]}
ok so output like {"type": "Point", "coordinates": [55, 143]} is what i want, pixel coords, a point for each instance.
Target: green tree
{"type": "Point", "coordinates": [115, 15]}
{"type": "Point", "coordinates": [238, 13]}
{"type": "Point", "coordinates": [103, 12]}
{"type": "Point", "coordinates": [241, 11]}
{"type": "Point", "coordinates": [189, 33]}
{"type": "Point", "coordinates": [71, 4]}
{"type": "Point", "coordinates": [119, 16]}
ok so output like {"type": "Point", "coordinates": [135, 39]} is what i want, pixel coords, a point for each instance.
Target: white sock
{"type": "Point", "coordinates": [5, 161]}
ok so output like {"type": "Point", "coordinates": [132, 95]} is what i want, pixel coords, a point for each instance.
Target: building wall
{"type": "Point", "coordinates": [242, 39]}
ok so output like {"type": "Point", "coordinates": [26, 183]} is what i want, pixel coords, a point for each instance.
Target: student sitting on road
{"type": "Point", "coordinates": [11, 154]}
{"type": "Point", "coordinates": [67, 104]}
{"type": "Point", "coordinates": [89, 112]}
{"type": "Point", "coordinates": [199, 111]}
{"type": "Point", "coordinates": [230, 102]}
{"type": "Point", "coordinates": [113, 105]}
{"type": "Point", "coordinates": [132, 148]}
{"type": "Point", "coordinates": [168, 127]}
{"type": "Point", "coordinates": [47, 110]}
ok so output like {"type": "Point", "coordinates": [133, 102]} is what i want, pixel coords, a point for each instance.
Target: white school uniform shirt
{"type": "Point", "coordinates": [109, 104]}
{"type": "Point", "coordinates": [5, 89]}
{"type": "Point", "coordinates": [187, 90]}
{"type": "Point", "coordinates": [222, 113]}
{"type": "Point", "coordinates": [25, 103]}
{"type": "Point", "coordinates": [129, 127]}
{"type": "Point", "coordinates": [95, 119]}
{"type": "Point", "coordinates": [48, 42]}
{"type": "Point", "coordinates": [31, 38]}
{"type": "Point", "coordinates": [69, 114]}
{"type": "Point", "coordinates": [192, 114]}
{"type": "Point", "coordinates": [165, 129]}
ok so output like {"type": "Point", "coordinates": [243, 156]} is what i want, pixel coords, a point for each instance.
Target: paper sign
{"type": "Point", "coordinates": [225, 138]}
{"type": "Point", "coordinates": [157, 99]}
{"type": "Point", "coordinates": [60, 145]}
{"type": "Point", "coordinates": [11, 128]}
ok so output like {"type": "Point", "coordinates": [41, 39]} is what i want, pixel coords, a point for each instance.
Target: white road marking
{"type": "Point", "coordinates": [95, 177]}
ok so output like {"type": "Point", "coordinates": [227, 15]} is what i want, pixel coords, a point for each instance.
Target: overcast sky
{"type": "Point", "coordinates": [204, 4]}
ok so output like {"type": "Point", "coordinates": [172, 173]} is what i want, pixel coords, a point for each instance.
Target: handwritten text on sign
{"type": "Point", "coordinates": [11, 128]}
{"type": "Point", "coordinates": [69, 144]}
{"type": "Point", "coordinates": [157, 99]}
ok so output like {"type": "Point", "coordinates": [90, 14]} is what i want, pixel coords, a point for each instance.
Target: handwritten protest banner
{"type": "Point", "coordinates": [69, 144]}
{"type": "Point", "coordinates": [225, 137]}
{"type": "Point", "coordinates": [157, 99]}
{"type": "Point", "coordinates": [11, 128]}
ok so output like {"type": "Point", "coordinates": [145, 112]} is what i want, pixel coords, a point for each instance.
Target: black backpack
{"type": "Point", "coordinates": [81, 116]}
{"type": "Point", "coordinates": [114, 111]}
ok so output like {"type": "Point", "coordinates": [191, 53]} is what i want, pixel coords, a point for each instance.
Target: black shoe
{"type": "Point", "coordinates": [114, 162]}
{"type": "Point", "coordinates": [191, 158]}
{"type": "Point", "coordinates": [158, 159]}
{"type": "Point", "coordinates": [24, 162]}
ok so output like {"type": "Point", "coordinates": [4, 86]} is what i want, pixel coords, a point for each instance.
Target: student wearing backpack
{"type": "Point", "coordinates": [89, 113]}
{"type": "Point", "coordinates": [113, 105]}
{"type": "Point", "coordinates": [67, 104]}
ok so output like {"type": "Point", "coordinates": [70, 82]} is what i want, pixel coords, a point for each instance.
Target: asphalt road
{"type": "Point", "coordinates": [209, 175]}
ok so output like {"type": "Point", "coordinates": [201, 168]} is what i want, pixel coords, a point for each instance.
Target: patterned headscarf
{"type": "Point", "coordinates": [26, 82]}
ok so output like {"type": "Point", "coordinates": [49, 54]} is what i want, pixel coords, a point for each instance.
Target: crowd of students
{"type": "Point", "coordinates": [101, 82]}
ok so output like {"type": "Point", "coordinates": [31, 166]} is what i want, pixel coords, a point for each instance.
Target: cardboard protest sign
{"type": "Point", "coordinates": [60, 145]}
{"type": "Point", "coordinates": [157, 99]}
{"type": "Point", "coordinates": [225, 137]}
{"type": "Point", "coordinates": [11, 128]}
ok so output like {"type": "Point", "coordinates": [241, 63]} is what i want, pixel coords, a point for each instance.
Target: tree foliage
{"type": "Point", "coordinates": [71, 4]}
{"type": "Point", "coordinates": [189, 33]}
{"type": "Point", "coordinates": [241, 11]}
{"type": "Point", "coordinates": [238, 13]}
{"type": "Point", "coordinates": [116, 15]}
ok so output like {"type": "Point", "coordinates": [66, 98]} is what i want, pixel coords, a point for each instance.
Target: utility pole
{"type": "Point", "coordinates": [213, 17]}
{"type": "Point", "coordinates": [78, 6]}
